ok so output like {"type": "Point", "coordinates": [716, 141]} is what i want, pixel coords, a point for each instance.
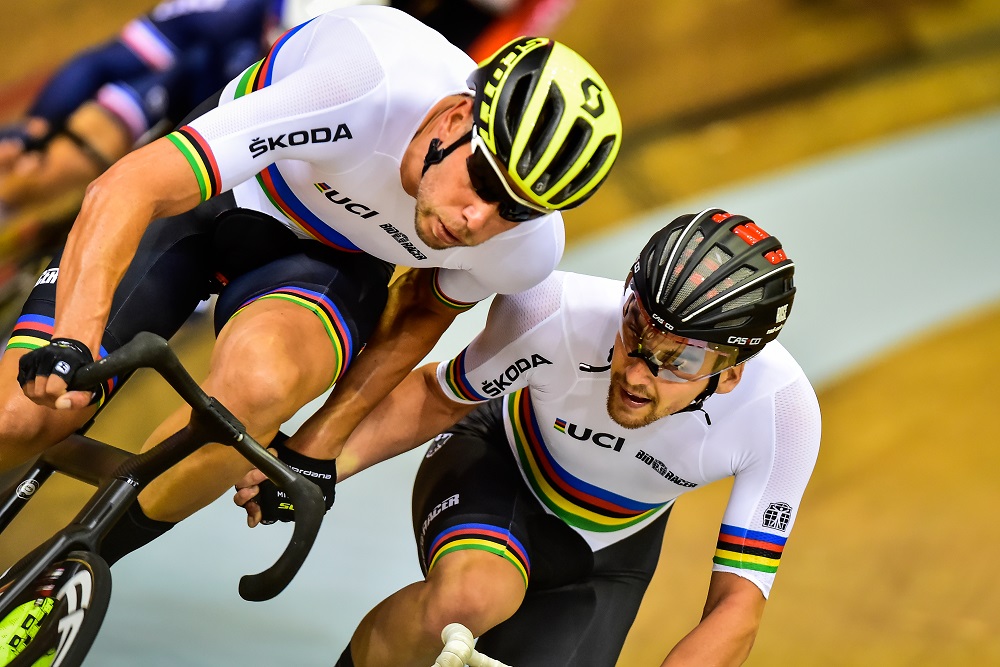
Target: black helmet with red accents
{"type": "Point", "coordinates": [716, 277]}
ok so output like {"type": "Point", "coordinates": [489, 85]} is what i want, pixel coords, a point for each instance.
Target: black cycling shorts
{"type": "Point", "coordinates": [580, 604]}
{"type": "Point", "coordinates": [243, 256]}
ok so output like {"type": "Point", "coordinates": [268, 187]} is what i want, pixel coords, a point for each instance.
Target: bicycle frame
{"type": "Point", "coordinates": [120, 475]}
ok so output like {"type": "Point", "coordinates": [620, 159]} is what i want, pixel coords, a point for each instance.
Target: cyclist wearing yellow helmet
{"type": "Point", "coordinates": [293, 195]}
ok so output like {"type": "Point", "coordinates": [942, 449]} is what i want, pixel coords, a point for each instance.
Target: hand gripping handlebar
{"type": "Point", "coordinates": [212, 422]}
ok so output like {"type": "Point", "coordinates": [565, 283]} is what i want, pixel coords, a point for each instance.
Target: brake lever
{"type": "Point", "coordinates": [309, 510]}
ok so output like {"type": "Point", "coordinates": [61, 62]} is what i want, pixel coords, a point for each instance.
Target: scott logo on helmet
{"type": "Point", "coordinates": [593, 102]}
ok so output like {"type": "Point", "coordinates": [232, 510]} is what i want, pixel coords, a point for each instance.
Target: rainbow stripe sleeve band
{"type": "Point", "coordinates": [199, 157]}
{"type": "Point", "coordinates": [748, 549]}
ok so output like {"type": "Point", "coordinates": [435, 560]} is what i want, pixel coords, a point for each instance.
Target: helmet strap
{"type": "Point", "coordinates": [436, 154]}
{"type": "Point", "coordinates": [699, 402]}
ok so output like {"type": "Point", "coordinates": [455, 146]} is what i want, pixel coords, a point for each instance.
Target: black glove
{"type": "Point", "coordinates": [274, 504]}
{"type": "Point", "coordinates": [61, 357]}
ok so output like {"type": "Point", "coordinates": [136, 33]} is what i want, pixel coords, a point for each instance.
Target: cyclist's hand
{"type": "Point", "coordinates": [44, 374]}
{"type": "Point", "coordinates": [246, 494]}
{"type": "Point", "coordinates": [265, 503]}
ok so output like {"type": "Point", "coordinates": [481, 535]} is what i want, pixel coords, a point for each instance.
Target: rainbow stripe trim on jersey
{"type": "Point", "coordinates": [281, 196]}
{"type": "Point", "coordinates": [270, 180]}
{"type": "Point", "coordinates": [444, 298]}
{"type": "Point", "coordinates": [575, 501]}
{"type": "Point", "coordinates": [248, 81]}
{"type": "Point", "coordinates": [199, 156]}
{"type": "Point", "coordinates": [328, 313]}
{"type": "Point", "coordinates": [34, 331]}
{"type": "Point", "coordinates": [748, 549]}
{"type": "Point", "coordinates": [458, 382]}
{"type": "Point", "coordinates": [259, 75]}
{"type": "Point", "coordinates": [483, 537]}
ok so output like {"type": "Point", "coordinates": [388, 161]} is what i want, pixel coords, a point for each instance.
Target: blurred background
{"type": "Point", "coordinates": [865, 135]}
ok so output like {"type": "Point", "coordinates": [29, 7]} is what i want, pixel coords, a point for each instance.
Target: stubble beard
{"type": "Point", "coordinates": [648, 418]}
{"type": "Point", "coordinates": [423, 234]}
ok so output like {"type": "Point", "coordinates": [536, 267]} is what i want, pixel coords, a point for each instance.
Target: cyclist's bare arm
{"type": "Point", "coordinates": [411, 324]}
{"type": "Point", "coordinates": [152, 182]}
{"type": "Point", "coordinates": [416, 411]}
{"type": "Point", "coordinates": [728, 625]}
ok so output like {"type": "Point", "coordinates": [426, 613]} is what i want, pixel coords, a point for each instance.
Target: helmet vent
{"type": "Point", "coordinates": [729, 324]}
{"type": "Point", "coordinates": [572, 147]}
{"type": "Point", "coordinates": [721, 286]}
{"type": "Point", "coordinates": [585, 179]}
{"type": "Point", "coordinates": [665, 249]}
{"type": "Point", "coordinates": [544, 129]}
{"type": "Point", "coordinates": [747, 299]}
{"type": "Point", "coordinates": [679, 265]}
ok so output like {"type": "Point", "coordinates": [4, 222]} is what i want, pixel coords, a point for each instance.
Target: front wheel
{"type": "Point", "coordinates": [74, 595]}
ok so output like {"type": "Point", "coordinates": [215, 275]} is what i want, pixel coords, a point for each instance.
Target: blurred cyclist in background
{"type": "Point", "coordinates": [98, 105]}
{"type": "Point", "coordinates": [101, 104]}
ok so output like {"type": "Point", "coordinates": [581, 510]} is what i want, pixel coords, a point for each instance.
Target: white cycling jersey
{"type": "Point", "coordinates": [547, 350]}
{"type": "Point", "coordinates": [314, 135]}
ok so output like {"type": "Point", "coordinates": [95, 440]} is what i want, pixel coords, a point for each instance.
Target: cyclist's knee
{"type": "Point", "coordinates": [259, 390]}
{"type": "Point", "coordinates": [478, 594]}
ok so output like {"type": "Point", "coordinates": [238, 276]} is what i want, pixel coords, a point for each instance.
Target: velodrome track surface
{"type": "Point", "coordinates": [897, 324]}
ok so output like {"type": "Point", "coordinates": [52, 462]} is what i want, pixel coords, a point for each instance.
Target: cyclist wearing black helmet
{"type": "Point", "coordinates": [539, 517]}
{"type": "Point", "coordinates": [345, 151]}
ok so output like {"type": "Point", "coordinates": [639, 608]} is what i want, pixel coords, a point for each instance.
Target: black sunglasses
{"type": "Point", "coordinates": [490, 186]}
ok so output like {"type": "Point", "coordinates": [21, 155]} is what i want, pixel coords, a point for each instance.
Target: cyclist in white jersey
{"type": "Point", "coordinates": [361, 141]}
{"type": "Point", "coordinates": [593, 417]}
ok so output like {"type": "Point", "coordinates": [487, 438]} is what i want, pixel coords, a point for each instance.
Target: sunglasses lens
{"type": "Point", "coordinates": [487, 186]}
{"type": "Point", "coordinates": [484, 179]}
{"type": "Point", "coordinates": [683, 359]}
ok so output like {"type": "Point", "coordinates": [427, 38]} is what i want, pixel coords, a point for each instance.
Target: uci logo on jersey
{"type": "Point", "coordinates": [317, 135]}
{"type": "Point", "coordinates": [335, 197]}
{"type": "Point", "coordinates": [606, 440]}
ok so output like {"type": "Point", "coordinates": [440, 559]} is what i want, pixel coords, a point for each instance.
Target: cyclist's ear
{"type": "Point", "coordinates": [729, 379]}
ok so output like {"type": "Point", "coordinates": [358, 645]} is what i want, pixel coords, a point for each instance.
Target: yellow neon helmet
{"type": "Point", "coordinates": [548, 118]}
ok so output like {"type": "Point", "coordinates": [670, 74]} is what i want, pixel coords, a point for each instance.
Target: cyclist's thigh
{"type": "Point", "coordinates": [586, 622]}
{"type": "Point", "coordinates": [344, 294]}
